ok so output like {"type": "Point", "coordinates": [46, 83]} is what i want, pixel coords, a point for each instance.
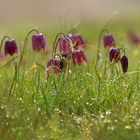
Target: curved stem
{"type": "Point", "coordinates": [5, 37]}
{"type": "Point", "coordinates": [100, 35]}
{"type": "Point", "coordinates": [56, 43]}
{"type": "Point", "coordinates": [14, 79]}
{"type": "Point", "coordinates": [25, 44]}
{"type": "Point", "coordinates": [18, 65]}
{"type": "Point", "coordinates": [40, 66]}
{"type": "Point", "coordinates": [99, 44]}
{"type": "Point", "coordinates": [105, 68]}
{"type": "Point", "coordinates": [66, 73]}
{"type": "Point", "coordinates": [8, 62]}
{"type": "Point", "coordinates": [122, 50]}
{"type": "Point", "coordinates": [54, 52]}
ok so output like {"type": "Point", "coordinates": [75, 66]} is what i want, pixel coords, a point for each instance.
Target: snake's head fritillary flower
{"type": "Point", "coordinates": [109, 41]}
{"type": "Point", "coordinates": [78, 57]}
{"type": "Point", "coordinates": [56, 65]}
{"type": "Point", "coordinates": [114, 54]}
{"type": "Point", "coordinates": [39, 42]}
{"type": "Point", "coordinates": [124, 63]}
{"type": "Point", "coordinates": [64, 46]}
{"type": "Point", "coordinates": [10, 47]}
{"type": "Point", "coordinates": [80, 41]}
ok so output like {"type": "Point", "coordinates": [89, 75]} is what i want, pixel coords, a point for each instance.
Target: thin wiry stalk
{"type": "Point", "coordinates": [5, 37]}
{"type": "Point", "coordinates": [25, 45]}
{"type": "Point", "coordinates": [14, 79]}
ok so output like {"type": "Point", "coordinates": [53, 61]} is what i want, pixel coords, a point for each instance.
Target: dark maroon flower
{"type": "Point", "coordinates": [114, 54]}
{"type": "Point", "coordinates": [79, 57]}
{"type": "Point", "coordinates": [39, 42]}
{"type": "Point", "coordinates": [79, 41]}
{"type": "Point", "coordinates": [109, 41]}
{"type": "Point", "coordinates": [56, 65]}
{"type": "Point", "coordinates": [61, 64]}
{"type": "Point", "coordinates": [64, 46]}
{"type": "Point", "coordinates": [124, 63]}
{"type": "Point", "coordinates": [10, 47]}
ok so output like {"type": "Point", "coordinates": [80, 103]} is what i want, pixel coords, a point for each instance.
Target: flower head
{"type": "Point", "coordinates": [114, 54]}
{"type": "Point", "coordinates": [56, 65]}
{"type": "Point", "coordinates": [79, 57]}
{"type": "Point", "coordinates": [124, 63]}
{"type": "Point", "coordinates": [109, 41]}
{"type": "Point", "coordinates": [10, 47]}
{"type": "Point", "coordinates": [64, 46]}
{"type": "Point", "coordinates": [79, 41]}
{"type": "Point", "coordinates": [38, 42]}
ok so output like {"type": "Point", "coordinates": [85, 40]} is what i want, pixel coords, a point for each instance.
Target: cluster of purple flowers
{"type": "Point", "coordinates": [115, 53]}
{"type": "Point", "coordinates": [71, 47]}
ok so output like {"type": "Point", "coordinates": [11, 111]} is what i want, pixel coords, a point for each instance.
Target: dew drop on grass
{"type": "Point", "coordinates": [2, 106]}
{"type": "Point", "coordinates": [87, 103]}
{"type": "Point", "coordinates": [102, 116]}
{"type": "Point", "coordinates": [91, 124]}
{"type": "Point", "coordinates": [108, 112]}
{"type": "Point", "coordinates": [116, 121]}
{"type": "Point", "coordinates": [39, 109]}
{"type": "Point", "coordinates": [61, 120]}
{"type": "Point", "coordinates": [110, 128]}
{"type": "Point", "coordinates": [34, 101]}
{"type": "Point", "coordinates": [70, 71]}
{"type": "Point", "coordinates": [128, 127]}
{"type": "Point", "coordinates": [7, 116]}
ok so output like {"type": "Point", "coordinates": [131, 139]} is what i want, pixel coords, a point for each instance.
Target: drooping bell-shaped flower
{"type": "Point", "coordinates": [39, 42]}
{"type": "Point", "coordinates": [109, 41]}
{"type": "Point", "coordinates": [10, 47]}
{"type": "Point", "coordinates": [114, 54]}
{"type": "Point", "coordinates": [124, 63]}
{"type": "Point", "coordinates": [79, 41]}
{"type": "Point", "coordinates": [78, 57]}
{"type": "Point", "coordinates": [56, 65]}
{"type": "Point", "coordinates": [64, 46]}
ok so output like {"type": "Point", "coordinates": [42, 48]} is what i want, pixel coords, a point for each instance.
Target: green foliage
{"type": "Point", "coordinates": [88, 104]}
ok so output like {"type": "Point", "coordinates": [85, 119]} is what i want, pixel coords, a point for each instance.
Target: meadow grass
{"type": "Point", "coordinates": [87, 104]}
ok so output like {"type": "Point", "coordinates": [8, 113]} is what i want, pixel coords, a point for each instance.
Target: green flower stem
{"type": "Point", "coordinates": [25, 45]}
